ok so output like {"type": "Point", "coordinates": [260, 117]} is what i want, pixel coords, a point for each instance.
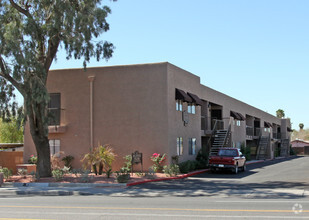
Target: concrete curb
{"type": "Point", "coordinates": [170, 178]}
{"type": "Point", "coordinates": [72, 185]}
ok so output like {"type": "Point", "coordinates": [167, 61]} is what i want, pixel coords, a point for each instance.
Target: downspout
{"type": "Point", "coordinates": [91, 79]}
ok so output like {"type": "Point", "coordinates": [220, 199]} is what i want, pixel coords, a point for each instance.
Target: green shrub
{"type": "Point", "coordinates": [58, 174]}
{"type": "Point", "coordinates": [246, 151]}
{"type": "Point", "coordinates": [171, 170]}
{"type": "Point", "coordinates": [33, 159]}
{"type": "Point", "coordinates": [109, 172]}
{"type": "Point", "coordinates": [77, 171]}
{"type": "Point", "coordinates": [187, 166]}
{"type": "Point", "coordinates": [292, 152]}
{"type": "Point", "coordinates": [201, 160]}
{"type": "Point", "coordinates": [68, 161]}
{"type": "Point", "coordinates": [122, 178]}
{"type": "Point", "coordinates": [85, 176]}
{"type": "Point", "coordinates": [127, 165]}
{"type": "Point", "coordinates": [6, 172]}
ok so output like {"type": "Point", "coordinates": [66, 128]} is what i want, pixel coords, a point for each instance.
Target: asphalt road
{"type": "Point", "coordinates": [272, 190]}
{"type": "Point", "coordinates": [104, 207]}
{"type": "Point", "coordinates": [283, 179]}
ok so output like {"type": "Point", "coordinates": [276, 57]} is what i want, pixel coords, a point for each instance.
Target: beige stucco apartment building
{"type": "Point", "coordinates": [152, 108]}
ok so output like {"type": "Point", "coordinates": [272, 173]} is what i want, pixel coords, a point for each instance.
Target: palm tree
{"type": "Point", "coordinates": [280, 113]}
{"type": "Point", "coordinates": [301, 126]}
{"type": "Point", "coordinates": [90, 159]}
{"type": "Point", "coordinates": [100, 157]}
{"type": "Point", "coordinates": [106, 156]}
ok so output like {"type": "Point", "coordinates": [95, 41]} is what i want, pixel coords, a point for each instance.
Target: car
{"type": "Point", "coordinates": [228, 158]}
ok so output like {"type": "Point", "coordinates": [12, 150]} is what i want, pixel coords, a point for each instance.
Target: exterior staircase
{"type": "Point", "coordinates": [284, 150]}
{"type": "Point", "coordinates": [222, 138]}
{"type": "Point", "coordinates": [262, 148]}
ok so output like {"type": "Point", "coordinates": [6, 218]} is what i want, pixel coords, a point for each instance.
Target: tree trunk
{"type": "Point", "coordinates": [38, 121]}
{"type": "Point", "coordinates": [100, 168]}
{"type": "Point", "coordinates": [94, 167]}
{"type": "Point", "coordinates": [43, 151]}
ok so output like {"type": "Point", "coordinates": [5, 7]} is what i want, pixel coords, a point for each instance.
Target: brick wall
{"type": "Point", "coordinates": [10, 159]}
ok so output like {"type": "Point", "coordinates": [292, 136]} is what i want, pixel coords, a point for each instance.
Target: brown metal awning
{"type": "Point", "coordinates": [181, 95]}
{"type": "Point", "coordinates": [235, 115]}
{"type": "Point", "coordinates": [267, 125]}
{"type": "Point", "coordinates": [243, 118]}
{"type": "Point", "coordinates": [196, 99]}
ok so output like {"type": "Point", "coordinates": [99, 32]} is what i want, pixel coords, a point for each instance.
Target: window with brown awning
{"type": "Point", "coordinates": [195, 99]}
{"type": "Point", "coordinates": [243, 118]}
{"type": "Point", "coordinates": [237, 116]}
{"type": "Point", "coordinates": [181, 95]}
{"type": "Point", "coordinates": [267, 125]}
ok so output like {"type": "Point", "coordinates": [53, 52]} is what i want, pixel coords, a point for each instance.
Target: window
{"type": "Point", "coordinates": [179, 105]}
{"type": "Point", "coordinates": [267, 129]}
{"type": "Point", "coordinates": [238, 123]}
{"type": "Point", "coordinates": [179, 146]}
{"type": "Point", "coordinates": [54, 146]}
{"type": "Point", "coordinates": [192, 146]}
{"type": "Point", "coordinates": [54, 109]}
{"type": "Point", "coordinates": [228, 152]}
{"type": "Point", "coordinates": [191, 108]}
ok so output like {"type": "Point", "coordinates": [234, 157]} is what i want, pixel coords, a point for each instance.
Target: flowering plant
{"type": "Point", "coordinates": [158, 161]}
{"type": "Point", "coordinates": [33, 159]}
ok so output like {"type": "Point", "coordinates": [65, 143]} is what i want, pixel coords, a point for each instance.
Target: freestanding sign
{"type": "Point", "coordinates": [137, 158]}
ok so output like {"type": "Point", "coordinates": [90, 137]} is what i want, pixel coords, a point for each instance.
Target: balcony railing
{"type": "Point", "coordinates": [57, 122]}
{"type": "Point", "coordinates": [277, 135]}
{"type": "Point", "coordinates": [56, 116]}
{"type": "Point", "coordinates": [209, 124]}
{"type": "Point", "coordinates": [257, 131]}
{"type": "Point", "coordinates": [249, 131]}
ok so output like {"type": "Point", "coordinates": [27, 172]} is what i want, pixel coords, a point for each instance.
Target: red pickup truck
{"type": "Point", "coordinates": [228, 158]}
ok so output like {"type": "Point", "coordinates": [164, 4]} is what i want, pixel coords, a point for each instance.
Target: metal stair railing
{"type": "Point", "coordinates": [228, 133]}
{"type": "Point", "coordinates": [260, 146]}
{"type": "Point", "coordinates": [219, 125]}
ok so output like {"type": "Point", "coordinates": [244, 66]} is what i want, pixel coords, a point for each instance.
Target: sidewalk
{"type": "Point", "coordinates": [56, 189]}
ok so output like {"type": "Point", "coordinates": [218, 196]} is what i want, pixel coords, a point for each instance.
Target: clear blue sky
{"type": "Point", "coordinates": [256, 51]}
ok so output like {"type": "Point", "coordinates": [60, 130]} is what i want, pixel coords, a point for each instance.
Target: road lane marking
{"type": "Point", "coordinates": [262, 201]}
{"type": "Point", "coordinates": [23, 219]}
{"type": "Point", "coordinates": [158, 209]}
{"type": "Point", "coordinates": [161, 215]}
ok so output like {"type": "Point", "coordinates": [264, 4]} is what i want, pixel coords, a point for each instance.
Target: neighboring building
{"type": "Point", "coordinates": [11, 147]}
{"type": "Point", "coordinates": [152, 108]}
{"type": "Point", "coordinates": [300, 147]}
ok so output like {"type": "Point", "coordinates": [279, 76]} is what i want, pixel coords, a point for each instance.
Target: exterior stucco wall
{"type": "Point", "coordinates": [134, 108]}
{"type": "Point", "coordinates": [129, 111]}
{"type": "Point", "coordinates": [181, 79]}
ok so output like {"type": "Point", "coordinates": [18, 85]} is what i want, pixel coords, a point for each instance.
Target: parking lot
{"type": "Point", "coordinates": [282, 178]}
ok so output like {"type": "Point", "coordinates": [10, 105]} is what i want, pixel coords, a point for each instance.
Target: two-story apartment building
{"type": "Point", "coordinates": [152, 108]}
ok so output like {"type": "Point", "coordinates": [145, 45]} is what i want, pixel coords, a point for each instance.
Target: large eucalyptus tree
{"type": "Point", "coordinates": [31, 32]}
